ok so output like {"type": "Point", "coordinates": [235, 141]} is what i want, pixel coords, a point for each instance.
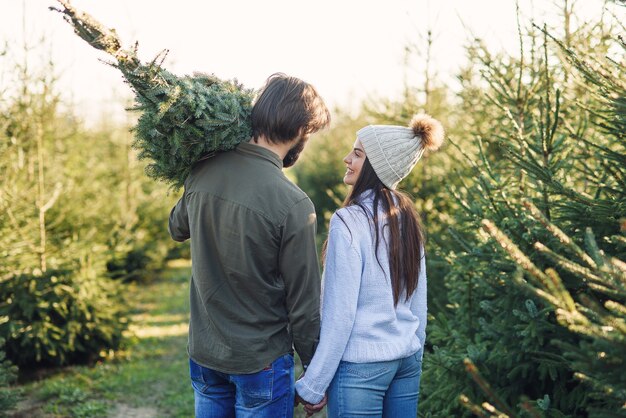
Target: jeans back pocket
{"type": "Point", "coordinates": [364, 370]}
{"type": "Point", "coordinates": [254, 389]}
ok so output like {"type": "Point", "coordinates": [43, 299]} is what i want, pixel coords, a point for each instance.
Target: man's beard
{"type": "Point", "coordinates": [294, 153]}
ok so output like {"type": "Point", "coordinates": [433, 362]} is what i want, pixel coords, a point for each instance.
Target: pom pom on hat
{"type": "Point", "coordinates": [393, 151]}
{"type": "Point", "coordinates": [429, 130]}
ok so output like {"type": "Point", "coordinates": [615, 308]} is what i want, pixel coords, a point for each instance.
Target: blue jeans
{"type": "Point", "coordinates": [387, 389]}
{"type": "Point", "coordinates": [268, 393]}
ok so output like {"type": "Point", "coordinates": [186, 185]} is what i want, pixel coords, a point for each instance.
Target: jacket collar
{"type": "Point", "coordinates": [257, 151]}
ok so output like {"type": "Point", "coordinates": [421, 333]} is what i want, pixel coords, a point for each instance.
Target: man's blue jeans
{"type": "Point", "coordinates": [387, 389]}
{"type": "Point", "coordinates": [268, 393]}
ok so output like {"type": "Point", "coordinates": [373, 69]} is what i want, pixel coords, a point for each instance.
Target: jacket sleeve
{"type": "Point", "coordinates": [178, 225]}
{"type": "Point", "coordinates": [341, 285]}
{"type": "Point", "coordinates": [299, 268]}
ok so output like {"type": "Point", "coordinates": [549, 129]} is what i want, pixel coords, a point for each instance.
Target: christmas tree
{"type": "Point", "coordinates": [183, 119]}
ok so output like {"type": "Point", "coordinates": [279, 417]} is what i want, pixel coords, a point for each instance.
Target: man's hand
{"type": "Point", "coordinates": [314, 409]}
{"type": "Point", "coordinates": [311, 409]}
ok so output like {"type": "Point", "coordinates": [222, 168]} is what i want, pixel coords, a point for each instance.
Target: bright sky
{"type": "Point", "coordinates": [349, 49]}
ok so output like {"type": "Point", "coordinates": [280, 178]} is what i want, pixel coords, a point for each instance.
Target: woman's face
{"type": "Point", "coordinates": [354, 162]}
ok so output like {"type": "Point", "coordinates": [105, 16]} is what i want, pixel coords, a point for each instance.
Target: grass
{"type": "Point", "coordinates": [149, 377]}
{"type": "Point", "coordinates": [150, 372]}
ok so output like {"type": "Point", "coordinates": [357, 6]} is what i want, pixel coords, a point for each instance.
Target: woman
{"type": "Point", "coordinates": [369, 357]}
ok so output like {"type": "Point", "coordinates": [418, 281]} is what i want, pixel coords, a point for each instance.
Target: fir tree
{"type": "Point", "coordinates": [183, 119]}
{"type": "Point", "coordinates": [595, 308]}
{"type": "Point", "coordinates": [8, 395]}
{"type": "Point", "coordinates": [549, 144]}
{"type": "Point", "coordinates": [55, 306]}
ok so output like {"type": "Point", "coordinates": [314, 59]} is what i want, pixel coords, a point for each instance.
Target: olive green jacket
{"type": "Point", "coordinates": [255, 284]}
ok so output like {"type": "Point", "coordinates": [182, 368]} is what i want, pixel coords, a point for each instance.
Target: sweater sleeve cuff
{"type": "Point", "coordinates": [307, 393]}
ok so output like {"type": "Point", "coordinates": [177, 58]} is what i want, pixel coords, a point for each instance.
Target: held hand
{"type": "Point", "coordinates": [314, 409]}
{"type": "Point", "coordinates": [298, 400]}
{"type": "Point", "coordinates": [309, 408]}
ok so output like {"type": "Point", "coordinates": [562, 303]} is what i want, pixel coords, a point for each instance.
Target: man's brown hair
{"type": "Point", "coordinates": [286, 108]}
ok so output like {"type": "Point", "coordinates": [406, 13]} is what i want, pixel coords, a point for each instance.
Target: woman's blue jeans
{"type": "Point", "coordinates": [268, 393]}
{"type": "Point", "coordinates": [388, 389]}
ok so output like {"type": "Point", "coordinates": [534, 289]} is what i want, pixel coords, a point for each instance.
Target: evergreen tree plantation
{"type": "Point", "coordinates": [524, 207]}
{"type": "Point", "coordinates": [78, 221]}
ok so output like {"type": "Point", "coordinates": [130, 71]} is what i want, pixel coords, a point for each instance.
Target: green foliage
{"type": "Point", "coordinates": [184, 120]}
{"type": "Point", "coordinates": [55, 307]}
{"type": "Point", "coordinates": [71, 400]}
{"type": "Point", "coordinates": [8, 395]}
{"type": "Point", "coordinates": [148, 376]}
{"type": "Point", "coordinates": [130, 266]}
{"type": "Point", "coordinates": [58, 317]}
{"type": "Point", "coordinates": [140, 242]}
{"type": "Point", "coordinates": [66, 209]}
{"type": "Point", "coordinates": [547, 155]}
{"type": "Point", "coordinates": [597, 313]}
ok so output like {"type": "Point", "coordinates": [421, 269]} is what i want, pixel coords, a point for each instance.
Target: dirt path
{"type": "Point", "coordinates": [28, 408]}
{"type": "Point", "coordinates": [125, 411]}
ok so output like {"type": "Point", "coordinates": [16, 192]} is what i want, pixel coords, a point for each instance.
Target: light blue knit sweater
{"type": "Point", "coordinates": [359, 321]}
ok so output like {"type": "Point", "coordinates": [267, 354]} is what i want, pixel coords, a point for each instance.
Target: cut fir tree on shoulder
{"type": "Point", "coordinates": [183, 119]}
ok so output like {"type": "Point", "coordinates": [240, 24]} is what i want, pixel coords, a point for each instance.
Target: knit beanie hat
{"type": "Point", "coordinates": [393, 151]}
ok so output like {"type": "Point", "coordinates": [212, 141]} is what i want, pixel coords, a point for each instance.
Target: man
{"type": "Point", "coordinates": [255, 285]}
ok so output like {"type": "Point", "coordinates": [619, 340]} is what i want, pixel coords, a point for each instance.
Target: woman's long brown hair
{"type": "Point", "coordinates": [406, 236]}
